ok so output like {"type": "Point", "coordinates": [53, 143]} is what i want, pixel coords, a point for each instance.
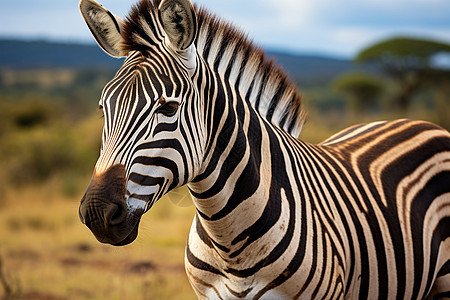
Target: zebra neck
{"type": "Point", "coordinates": [232, 194]}
{"type": "Point", "coordinates": [258, 79]}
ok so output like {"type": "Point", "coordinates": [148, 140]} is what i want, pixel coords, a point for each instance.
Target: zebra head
{"type": "Point", "coordinates": [144, 153]}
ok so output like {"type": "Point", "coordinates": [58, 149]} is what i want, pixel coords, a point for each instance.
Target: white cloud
{"type": "Point", "coordinates": [330, 26]}
{"type": "Point", "coordinates": [288, 13]}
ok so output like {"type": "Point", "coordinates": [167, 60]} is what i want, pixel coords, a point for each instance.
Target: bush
{"type": "Point", "coordinates": [33, 113]}
{"type": "Point", "coordinates": [362, 89]}
{"type": "Point", "coordinates": [33, 154]}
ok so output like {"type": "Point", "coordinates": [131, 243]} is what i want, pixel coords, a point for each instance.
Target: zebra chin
{"type": "Point", "coordinates": [104, 208]}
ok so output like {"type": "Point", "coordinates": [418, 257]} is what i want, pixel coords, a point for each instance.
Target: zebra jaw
{"type": "Point", "coordinates": [134, 204]}
{"type": "Point", "coordinates": [137, 205]}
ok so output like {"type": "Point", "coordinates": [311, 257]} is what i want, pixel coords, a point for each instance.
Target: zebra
{"type": "Point", "coordinates": [364, 214]}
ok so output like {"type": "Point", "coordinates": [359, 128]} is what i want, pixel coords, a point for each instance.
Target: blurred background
{"type": "Point", "coordinates": [354, 61]}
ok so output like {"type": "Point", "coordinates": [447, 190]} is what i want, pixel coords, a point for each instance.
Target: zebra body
{"type": "Point", "coordinates": [348, 234]}
{"type": "Point", "coordinates": [365, 214]}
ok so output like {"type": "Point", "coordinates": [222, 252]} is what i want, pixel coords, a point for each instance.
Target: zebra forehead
{"type": "Point", "coordinates": [224, 48]}
{"type": "Point", "coordinates": [140, 72]}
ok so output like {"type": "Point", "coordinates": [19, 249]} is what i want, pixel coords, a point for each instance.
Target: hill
{"type": "Point", "coordinates": [16, 54]}
{"type": "Point", "coordinates": [309, 69]}
{"type": "Point", "coordinates": [43, 54]}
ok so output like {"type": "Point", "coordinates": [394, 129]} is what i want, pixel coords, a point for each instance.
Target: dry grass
{"type": "Point", "coordinates": [45, 78]}
{"type": "Point", "coordinates": [320, 127]}
{"type": "Point", "coordinates": [48, 254]}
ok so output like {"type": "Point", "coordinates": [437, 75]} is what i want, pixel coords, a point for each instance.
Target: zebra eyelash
{"type": "Point", "coordinates": [100, 109]}
{"type": "Point", "coordinates": [167, 108]}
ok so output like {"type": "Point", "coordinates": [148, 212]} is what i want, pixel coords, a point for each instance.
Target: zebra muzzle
{"type": "Point", "coordinates": [104, 210]}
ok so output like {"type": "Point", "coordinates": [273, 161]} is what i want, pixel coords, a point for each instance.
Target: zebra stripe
{"type": "Point", "coordinates": [365, 214]}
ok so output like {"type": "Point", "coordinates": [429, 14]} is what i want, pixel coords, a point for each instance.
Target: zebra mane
{"type": "Point", "coordinates": [228, 50]}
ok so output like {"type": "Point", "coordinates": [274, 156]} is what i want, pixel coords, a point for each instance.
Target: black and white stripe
{"type": "Point", "coordinates": [365, 214]}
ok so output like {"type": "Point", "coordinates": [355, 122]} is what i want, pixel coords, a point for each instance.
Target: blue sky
{"type": "Point", "coordinates": [336, 27]}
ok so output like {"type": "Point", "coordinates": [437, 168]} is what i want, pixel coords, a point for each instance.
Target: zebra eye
{"type": "Point", "coordinates": [168, 109]}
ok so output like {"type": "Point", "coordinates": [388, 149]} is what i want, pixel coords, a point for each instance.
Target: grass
{"type": "Point", "coordinates": [48, 254]}
{"type": "Point", "coordinates": [321, 126]}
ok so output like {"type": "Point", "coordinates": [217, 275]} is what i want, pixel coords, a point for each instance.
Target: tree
{"type": "Point", "coordinates": [362, 88]}
{"type": "Point", "coordinates": [407, 61]}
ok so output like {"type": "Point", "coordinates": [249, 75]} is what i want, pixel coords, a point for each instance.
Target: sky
{"type": "Point", "coordinates": [329, 27]}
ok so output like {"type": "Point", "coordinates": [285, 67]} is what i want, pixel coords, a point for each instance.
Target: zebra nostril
{"type": "Point", "coordinates": [115, 214]}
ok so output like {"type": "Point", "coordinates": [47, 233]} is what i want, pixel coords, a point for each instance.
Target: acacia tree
{"type": "Point", "coordinates": [407, 61]}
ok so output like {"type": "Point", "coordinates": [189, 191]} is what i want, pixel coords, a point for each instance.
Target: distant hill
{"type": "Point", "coordinates": [312, 68]}
{"type": "Point", "coordinates": [43, 54]}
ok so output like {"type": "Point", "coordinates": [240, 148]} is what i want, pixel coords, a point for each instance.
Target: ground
{"type": "Point", "coordinates": [48, 254]}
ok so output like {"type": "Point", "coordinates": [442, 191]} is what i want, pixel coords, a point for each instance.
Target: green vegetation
{"type": "Point", "coordinates": [362, 89]}
{"type": "Point", "coordinates": [409, 62]}
{"type": "Point", "coordinates": [50, 136]}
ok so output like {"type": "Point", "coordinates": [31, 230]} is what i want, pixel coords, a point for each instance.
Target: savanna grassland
{"type": "Point", "coordinates": [49, 141]}
{"type": "Point", "coordinates": [48, 254]}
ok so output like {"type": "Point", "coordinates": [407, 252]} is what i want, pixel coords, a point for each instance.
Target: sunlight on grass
{"type": "Point", "coordinates": [47, 252]}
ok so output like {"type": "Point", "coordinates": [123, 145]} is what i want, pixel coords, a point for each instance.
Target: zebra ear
{"type": "Point", "coordinates": [105, 27]}
{"type": "Point", "coordinates": [179, 22]}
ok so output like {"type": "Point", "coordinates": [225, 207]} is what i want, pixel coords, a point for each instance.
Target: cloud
{"type": "Point", "coordinates": [288, 13]}
{"type": "Point", "coordinates": [330, 26]}
{"type": "Point", "coordinates": [361, 12]}
{"type": "Point", "coordinates": [348, 25]}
